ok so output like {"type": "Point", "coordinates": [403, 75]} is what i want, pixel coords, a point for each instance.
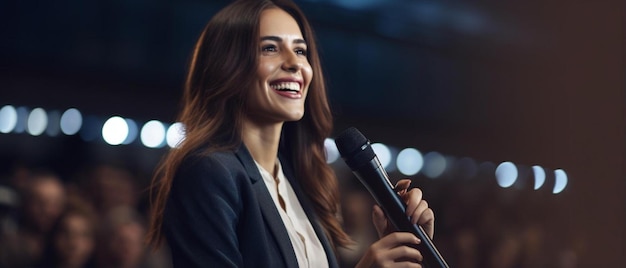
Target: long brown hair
{"type": "Point", "coordinates": [221, 73]}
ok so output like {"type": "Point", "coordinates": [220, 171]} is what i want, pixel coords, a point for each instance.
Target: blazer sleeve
{"type": "Point", "coordinates": [200, 219]}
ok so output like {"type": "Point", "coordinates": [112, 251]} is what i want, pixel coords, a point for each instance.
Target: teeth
{"type": "Point", "coordinates": [285, 86]}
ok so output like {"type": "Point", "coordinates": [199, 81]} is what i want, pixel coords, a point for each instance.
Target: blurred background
{"type": "Point", "coordinates": [509, 116]}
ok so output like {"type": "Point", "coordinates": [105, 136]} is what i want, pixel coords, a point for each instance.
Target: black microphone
{"type": "Point", "coordinates": [355, 149]}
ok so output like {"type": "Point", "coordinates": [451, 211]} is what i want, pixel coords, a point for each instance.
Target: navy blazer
{"type": "Point", "coordinates": [220, 214]}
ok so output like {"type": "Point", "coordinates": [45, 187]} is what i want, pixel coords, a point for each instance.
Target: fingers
{"type": "Point", "coordinates": [413, 199]}
{"type": "Point", "coordinates": [394, 250]}
{"type": "Point", "coordinates": [406, 253]}
{"type": "Point", "coordinates": [427, 221]}
{"type": "Point", "coordinates": [419, 212]}
{"type": "Point", "coordinates": [397, 238]}
{"type": "Point", "coordinates": [402, 186]}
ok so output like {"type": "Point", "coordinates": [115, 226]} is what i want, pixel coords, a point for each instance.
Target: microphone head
{"type": "Point", "coordinates": [349, 141]}
{"type": "Point", "coordinates": [354, 148]}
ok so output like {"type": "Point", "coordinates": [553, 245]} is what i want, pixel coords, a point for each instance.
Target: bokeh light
{"type": "Point", "coordinates": [175, 135]}
{"type": "Point", "coordinates": [133, 131]}
{"type": "Point", "coordinates": [71, 121]}
{"type": "Point", "coordinates": [506, 174]}
{"type": "Point", "coordinates": [115, 130]}
{"type": "Point", "coordinates": [540, 176]}
{"type": "Point", "coordinates": [410, 161]}
{"type": "Point", "coordinates": [434, 165]}
{"type": "Point", "coordinates": [8, 119]}
{"type": "Point", "coordinates": [54, 127]}
{"type": "Point", "coordinates": [153, 134]}
{"type": "Point", "coordinates": [22, 119]}
{"type": "Point", "coordinates": [560, 181]}
{"type": "Point", "coordinates": [37, 122]}
{"type": "Point", "coordinates": [332, 154]}
{"type": "Point", "coordinates": [383, 153]}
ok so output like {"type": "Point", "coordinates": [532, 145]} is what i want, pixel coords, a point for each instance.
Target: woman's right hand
{"type": "Point", "coordinates": [393, 250]}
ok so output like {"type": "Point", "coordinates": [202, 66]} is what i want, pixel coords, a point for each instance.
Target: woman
{"type": "Point", "coordinates": [73, 238]}
{"type": "Point", "coordinates": [249, 186]}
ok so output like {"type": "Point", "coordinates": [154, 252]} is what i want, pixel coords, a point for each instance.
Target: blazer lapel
{"type": "Point", "coordinates": [268, 208]}
{"type": "Point", "coordinates": [308, 209]}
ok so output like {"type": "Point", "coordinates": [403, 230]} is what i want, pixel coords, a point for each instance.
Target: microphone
{"type": "Point", "coordinates": [356, 151]}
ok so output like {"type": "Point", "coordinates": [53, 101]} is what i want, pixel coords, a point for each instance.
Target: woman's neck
{"type": "Point", "coordinates": [262, 142]}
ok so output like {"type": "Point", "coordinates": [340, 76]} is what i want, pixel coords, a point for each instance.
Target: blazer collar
{"type": "Point", "coordinates": [308, 209]}
{"type": "Point", "coordinates": [248, 163]}
{"type": "Point", "coordinates": [271, 214]}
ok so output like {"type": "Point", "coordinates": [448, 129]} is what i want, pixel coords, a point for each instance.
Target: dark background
{"type": "Point", "coordinates": [533, 82]}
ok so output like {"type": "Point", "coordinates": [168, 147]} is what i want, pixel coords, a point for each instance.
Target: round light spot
{"type": "Point", "coordinates": [8, 119]}
{"type": "Point", "coordinates": [153, 134]}
{"type": "Point", "coordinates": [71, 121]}
{"type": "Point", "coordinates": [383, 153]}
{"type": "Point", "coordinates": [434, 165]}
{"type": "Point", "coordinates": [506, 174]}
{"type": "Point", "coordinates": [37, 122]}
{"type": "Point", "coordinates": [54, 126]}
{"type": "Point", "coordinates": [560, 181]}
{"type": "Point", "coordinates": [332, 154]}
{"type": "Point", "coordinates": [540, 176]}
{"type": "Point", "coordinates": [22, 119]}
{"type": "Point", "coordinates": [133, 131]}
{"type": "Point", "coordinates": [410, 161]}
{"type": "Point", "coordinates": [175, 135]}
{"type": "Point", "coordinates": [115, 130]}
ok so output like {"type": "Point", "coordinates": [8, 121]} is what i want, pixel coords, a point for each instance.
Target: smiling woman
{"type": "Point", "coordinates": [284, 72]}
{"type": "Point", "coordinates": [249, 185]}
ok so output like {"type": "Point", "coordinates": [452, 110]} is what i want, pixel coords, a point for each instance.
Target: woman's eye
{"type": "Point", "coordinates": [301, 51]}
{"type": "Point", "coordinates": [269, 48]}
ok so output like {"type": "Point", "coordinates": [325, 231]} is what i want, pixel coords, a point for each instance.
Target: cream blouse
{"type": "Point", "coordinates": [306, 244]}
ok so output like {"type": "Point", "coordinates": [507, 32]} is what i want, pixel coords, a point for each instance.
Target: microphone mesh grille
{"type": "Point", "coordinates": [349, 141]}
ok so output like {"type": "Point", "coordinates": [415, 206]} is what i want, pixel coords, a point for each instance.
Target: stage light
{"type": "Point", "coordinates": [22, 119]}
{"type": "Point", "coordinates": [383, 153]}
{"type": "Point", "coordinates": [133, 131]}
{"type": "Point", "coordinates": [506, 174]}
{"type": "Point", "coordinates": [54, 120]}
{"type": "Point", "coordinates": [434, 165]}
{"type": "Point", "coordinates": [332, 154]}
{"type": "Point", "coordinates": [540, 176]}
{"type": "Point", "coordinates": [175, 135]}
{"type": "Point", "coordinates": [8, 119]}
{"type": "Point", "coordinates": [37, 122]}
{"type": "Point", "coordinates": [71, 121]}
{"type": "Point", "coordinates": [115, 130]}
{"type": "Point", "coordinates": [153, 134]}
{"type": "Point", "coordinates": [560, 181]}
{"type": "Point", "coordinates": [410, 161]}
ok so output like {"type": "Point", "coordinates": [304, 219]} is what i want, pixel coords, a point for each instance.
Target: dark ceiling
{"type": "Point", "coordinates": [399, 60]}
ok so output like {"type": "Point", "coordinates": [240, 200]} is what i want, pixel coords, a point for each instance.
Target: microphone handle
{"type": "Point", "coordinates": [395, 209]}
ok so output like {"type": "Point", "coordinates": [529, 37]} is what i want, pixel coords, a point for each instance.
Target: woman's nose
{"type": "Point", "coordinates": [291, 62]}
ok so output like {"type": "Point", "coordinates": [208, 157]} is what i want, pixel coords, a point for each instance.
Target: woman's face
{"type": "Point", "coordinates": [284, 72]}
{"type": "Point", "coordinates": [75, 241]}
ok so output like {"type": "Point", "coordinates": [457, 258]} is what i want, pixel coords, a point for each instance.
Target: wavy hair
{"type": "Point", "coordinates": [220, 75]}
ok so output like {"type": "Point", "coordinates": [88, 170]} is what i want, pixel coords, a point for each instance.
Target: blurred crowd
{"type": "Point", "coordinates": [97, 217]}
{"type": "Point", "coordinates": [477, 225]}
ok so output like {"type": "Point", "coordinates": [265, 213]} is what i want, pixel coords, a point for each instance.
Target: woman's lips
{"type": "Point", "coordinates": [287, 88]}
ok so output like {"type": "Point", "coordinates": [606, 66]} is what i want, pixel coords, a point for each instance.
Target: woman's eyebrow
{"type": "Point", "coordinates": [278, 39]}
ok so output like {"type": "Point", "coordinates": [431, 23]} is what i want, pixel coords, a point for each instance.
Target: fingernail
{"type": "Point", "coordinates": [417, 240]}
